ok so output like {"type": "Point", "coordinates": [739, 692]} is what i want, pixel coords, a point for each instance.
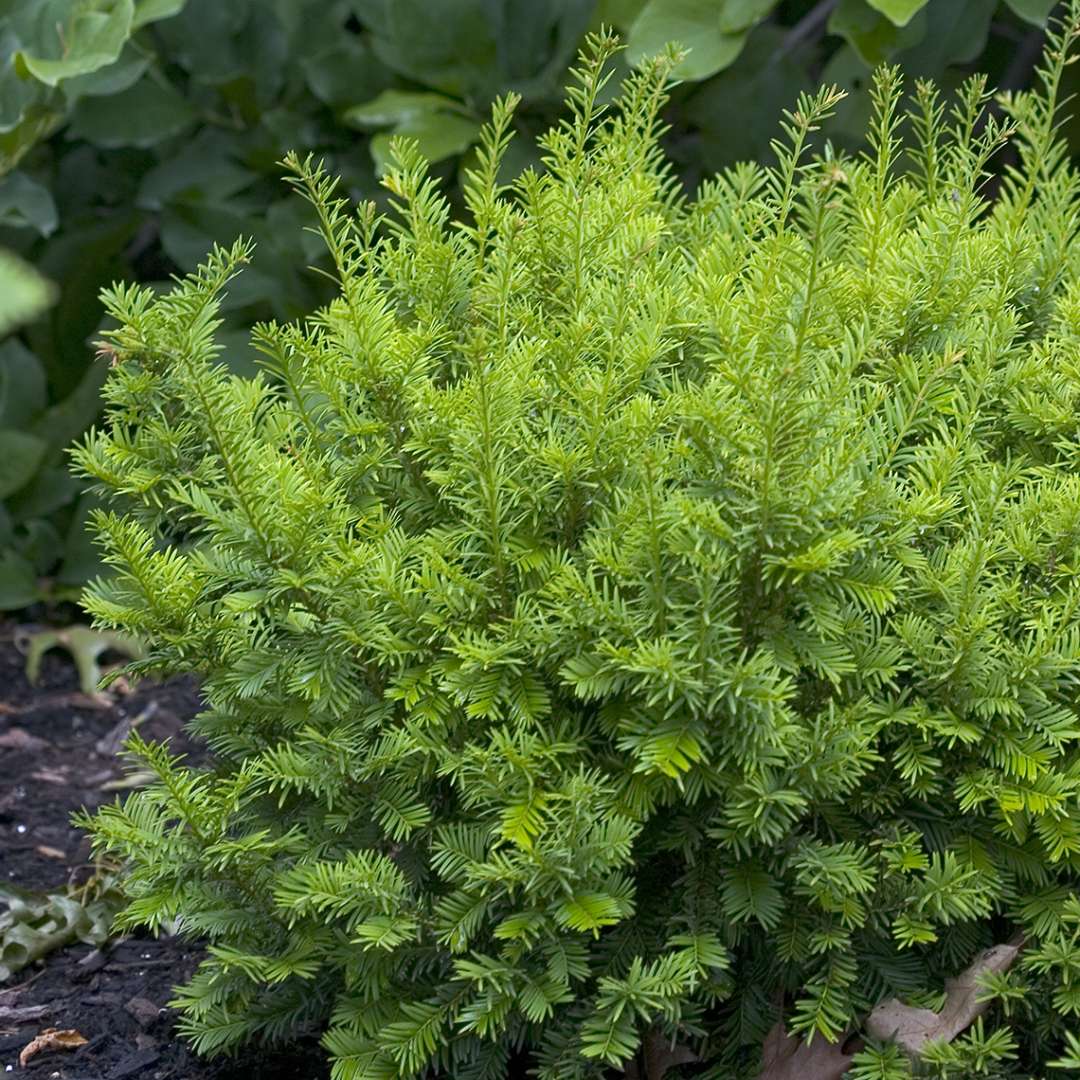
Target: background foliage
{"type": "Point", "coordinates": [136, 133]}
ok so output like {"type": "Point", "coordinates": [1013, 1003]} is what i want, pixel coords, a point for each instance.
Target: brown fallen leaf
{"type": "Point", "coordinates": [911, 1028]}
{"type": "Point", "coordinates": [660, 1056]}
{"type": "Point", "coordinates": [786, 1057]}
{"type": "Point", "coordinates": [49, 1040]}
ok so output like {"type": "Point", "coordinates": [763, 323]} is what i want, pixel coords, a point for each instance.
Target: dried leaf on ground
{"type": "Point", "coordinates": [660, 1057]}
{"type": "Point", "coordinates": [911, 1028]}
{"type": "Point", "coordinates": [49, 1040]}
{"type": "Point", "coordinates": [786, 1057]}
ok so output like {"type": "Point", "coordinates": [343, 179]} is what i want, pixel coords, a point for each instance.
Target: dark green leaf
{"type": "Point", "coordinates": [344, 72]}
{"type": "Point", "coordinates": [237, 352]}
{"type": "Point", "coordinates": [16, 95]}
{"type": "Point", "coordinates": [736, 15]}
{"type": "Point", "coordinates": [18, 582]}
{"type": "Point", "coordinates": [87, 184]}
{"type": "Point", "coordinates": [273, 285]}
{"type": "Point", "coordinates": [618, 13]}
{"type": "Point", "coordinates": [291, 216]}
{"type": "Point", "coordinates": [535, 40]}
{"type": "Point", "coordinates": [204, 39]}
{"type": "Point", "coordinates": [692, 24]}
{"type": "Point", "coordinates": [36, 123]}
{"type": "Point", "coordinates": [394, 107]}
{"type": "Point", "coordinates": [26, 203]}
{"type": "Point", "coordinates": [64, 422]}
{"type": "Point", "coordinates": [148, 11]}
{"type": "Point", "coordinates": [456, 55]}
{"type": "Point", "coordinates": [81, 260]}
{"type": "Point", "coordinates": [22, 384]}
{"type": "Point", "coordinates": [264, 50]}
{"type": "Point", "coordinates": [898, 12]}
{"type": "Point", "coordinates": [440, 125]}
{"type": "Point", "coordinates": [734, 110]}
{"type": "Point", "coordinates": [53, 487]}
{"type": "Point", "coordinates": [111, 79]}
{"type": "Point", "coordinates": [438, 135]}
{"type": "Point", "coordinates": [81, 556]}
{"type": "Point", "coordinates": [38, 541]}
{"type": "Point", "coordinates": [206, 171]}
{"type": "Point", "coordinates": [874, 37]}
{"type": "Point", "coordinates": [848, 71]}
{"type": "Point", "coordinates": [142, 115]}
{"type": "Point", "coordinates": [955, 34]}
{"type": "Point", "coordinates": [1034, 11]}
{"type": "Point", "coordinates": [20, 454]}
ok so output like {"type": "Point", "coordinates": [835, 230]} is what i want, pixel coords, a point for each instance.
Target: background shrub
{"type": "Point", "coordinates": [134, 134]}
{"type": "Point", "coordinates": [622, 616]}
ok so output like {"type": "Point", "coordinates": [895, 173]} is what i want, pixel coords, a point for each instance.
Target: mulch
{"type": "Point", "coordinates": [57, 755]}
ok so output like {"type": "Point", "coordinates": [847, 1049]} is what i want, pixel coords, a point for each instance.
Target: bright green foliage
{"type": "Point", "coordinates": [619, 611]}
{"type": "Point", "coordinates": [135, 134]}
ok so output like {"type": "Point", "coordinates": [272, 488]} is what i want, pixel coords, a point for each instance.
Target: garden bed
{"type": "Point", "coordinates": [57, 752]}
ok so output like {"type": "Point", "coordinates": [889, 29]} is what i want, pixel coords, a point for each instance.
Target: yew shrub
{"type": "Point", "coordinates": [621, 616]}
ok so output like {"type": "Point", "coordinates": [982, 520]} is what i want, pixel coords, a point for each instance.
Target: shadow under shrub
{"type": "Point", "coordinates": [622, 613]}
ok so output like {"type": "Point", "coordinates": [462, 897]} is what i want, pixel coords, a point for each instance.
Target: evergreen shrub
{"type": "Point", "coordinates": [623, 617]}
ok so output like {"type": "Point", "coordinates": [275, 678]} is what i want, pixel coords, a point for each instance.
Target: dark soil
{"type": "Point", "coordinates": [57, 756]}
